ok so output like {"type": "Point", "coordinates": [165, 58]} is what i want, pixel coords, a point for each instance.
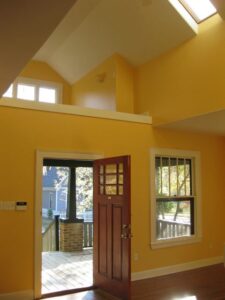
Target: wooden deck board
{"type": "Point", "coordinates": [66, 270]}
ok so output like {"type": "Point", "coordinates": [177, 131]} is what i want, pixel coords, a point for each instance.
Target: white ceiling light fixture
{"type": "Point", "coordinates": [200, 10]}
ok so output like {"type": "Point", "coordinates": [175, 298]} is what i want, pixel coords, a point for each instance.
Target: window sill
{"type": "Point", "coordinates": [157, 244]}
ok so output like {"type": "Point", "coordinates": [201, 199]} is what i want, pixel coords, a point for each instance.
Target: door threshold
{"type": "Point", "coordinates": [67, 292]}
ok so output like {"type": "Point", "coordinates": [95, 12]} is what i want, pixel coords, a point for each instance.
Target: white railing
{"type": "Point", "coordinates": [48, 238]}
{"type": "Point", "coordinates": [169, 229]}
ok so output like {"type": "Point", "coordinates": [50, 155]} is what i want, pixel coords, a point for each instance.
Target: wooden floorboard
{"type": "Point", "coordinates": [88, 295]}
{"type": "Point", "coordinates": [66, 271]}
{"type": "Point", "coordinates": [201, 284]}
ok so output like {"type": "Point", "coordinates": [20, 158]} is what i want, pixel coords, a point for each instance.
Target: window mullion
{"type": "Point", "coordinates": [185, 178]}
{"type": "Point", "coordinates": [169, 167]}
{"type": "Point", "coordinates": [177, 176]}
{"type": "Point", "coordinates": [161, 183]}
{"type": "Point", "coordinates": [37, 87]}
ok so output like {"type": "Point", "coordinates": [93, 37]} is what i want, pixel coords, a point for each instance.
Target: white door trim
{"type": "Point", "coordinates": [40, 155]}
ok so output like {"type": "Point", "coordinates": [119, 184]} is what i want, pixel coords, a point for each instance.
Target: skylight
{"type": "Point", "coordinates": [200, 9]}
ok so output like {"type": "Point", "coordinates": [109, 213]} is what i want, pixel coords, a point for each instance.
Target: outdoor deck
{"type": "Point", "coordinates": [66, 270]}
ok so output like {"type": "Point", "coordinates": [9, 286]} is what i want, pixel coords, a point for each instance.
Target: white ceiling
{"type": "Point", "coordinates": [213, 123]}
{"type": "Point", "coordinates": [93, 30]}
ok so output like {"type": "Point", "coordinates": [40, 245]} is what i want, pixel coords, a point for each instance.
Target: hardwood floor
{"type": "Point", "coordinates": [201, 284]}
{"type": "Point", "coordinates": [88, 295]}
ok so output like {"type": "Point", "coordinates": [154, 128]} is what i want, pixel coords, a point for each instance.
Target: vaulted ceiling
{"type": "Point", "coordinates": [74, 36]}
{"type": "Point", "coordinates": [93, 30]}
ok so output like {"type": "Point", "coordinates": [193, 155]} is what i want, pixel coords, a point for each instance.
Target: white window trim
{"type": "Point", "coordinates": [195, 155]}
{"type": "Point", "coordinates": [37, 84]}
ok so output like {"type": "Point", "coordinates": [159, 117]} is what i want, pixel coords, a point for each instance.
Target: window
{"type": "Point", "coordinates": [9, 92]}
{"type": "Point", "coordinates": [26, 92]}
{"type": "Point", "coordinates": [70, 184]}
{"type": "Point", "coordinates": [200, 9]}
{"type": "Point", "coordinates": [175, 197]}
{"type": "Point", "coordinates": [34, 90]}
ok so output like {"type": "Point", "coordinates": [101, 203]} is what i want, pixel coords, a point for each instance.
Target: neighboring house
{"type": "Point", "coordinates": [54, 195]}
{"type": "Point", "coordinates": [54, 192]}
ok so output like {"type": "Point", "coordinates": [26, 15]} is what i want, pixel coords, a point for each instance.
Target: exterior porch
{"type": "Point", "coordinates": [66, 270]}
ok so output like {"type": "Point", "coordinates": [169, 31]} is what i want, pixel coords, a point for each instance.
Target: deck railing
{"type": "Point", "coordinates": [88, 234]}
{"type": "Point", "coordinates": [169, 229]}
{"type": "Point", "coordinates": [48, 238]}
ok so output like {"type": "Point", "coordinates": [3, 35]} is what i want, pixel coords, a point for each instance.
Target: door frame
{"type": "Point", "coordinates": [40, 156]}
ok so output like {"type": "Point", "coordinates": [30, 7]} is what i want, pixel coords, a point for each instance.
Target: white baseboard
{"type": "Point", "coordinates": [176, 268]}
{"type": "Point", "coordinates": [23, 295]}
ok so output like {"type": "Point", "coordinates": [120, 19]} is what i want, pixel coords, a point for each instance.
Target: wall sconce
{"type": "Point", "coordinates": [101, 77]}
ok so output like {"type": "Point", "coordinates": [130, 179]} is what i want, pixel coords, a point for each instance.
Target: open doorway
{"type": "Point", "coordinates": [67, 225]}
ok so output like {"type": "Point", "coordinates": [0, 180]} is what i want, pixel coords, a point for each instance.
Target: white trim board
{"type": "Point", "coordinates": [76, 110]}
{"type": "Point", "coordinates": [176, 268]}
{"type": "Point", "coordinates": [22, 295]}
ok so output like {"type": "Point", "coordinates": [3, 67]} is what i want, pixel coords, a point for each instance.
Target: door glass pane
{"type": "Point", "coordinates": [111, 179]}
{"type": "Point", "coordinates": [47, 95]}
{"type": "Point", "coordinates": [26, 92]}
{"type": "Point", "coordinates": [111, 168]}
{"type": "Point", "coordinates": [84, 193]}
{"type": "Point", "coordinates": [111, 189]}
{"type": "Point", "coordinates": [173, 218]}
{"type": "Point", "coordinates": [101, 179]}
{"type": "Point", "coordinates": [121, 168]}
{"type": "Point", "coordinates": [120, 189]}
{"type": "Point", "coordinates": [101, 169]}
{"type": "Point", "coordinates": [120, 179]}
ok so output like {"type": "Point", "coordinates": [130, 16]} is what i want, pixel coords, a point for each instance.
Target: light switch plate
{"type": "Point", "coordinates": [21, 205]}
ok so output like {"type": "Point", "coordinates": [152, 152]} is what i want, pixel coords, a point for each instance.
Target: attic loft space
{"type": "Point", "coordinates": [199, 10]}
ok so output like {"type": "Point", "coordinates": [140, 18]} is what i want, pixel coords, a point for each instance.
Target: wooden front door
{"type": "Point", "coordinates": [112, 225]}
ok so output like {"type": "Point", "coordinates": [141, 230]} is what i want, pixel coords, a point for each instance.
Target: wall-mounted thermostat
{"type": "Point", "coordinates": [21, 205]}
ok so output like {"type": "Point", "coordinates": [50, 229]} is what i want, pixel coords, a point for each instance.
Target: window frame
{"type": "Point", "coordinates": [37, 85]}
{"type": "Point", "coordinates": [193, 14]}
{"type": "Point", "coordinates": [196, 185]}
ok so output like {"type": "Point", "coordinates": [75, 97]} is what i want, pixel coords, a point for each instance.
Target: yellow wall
{"type": "Point", "coordinates": [212, 158]}
{"type": "Point", "coordinates": [97, 88]}
{"type": "Point", "coordinates": [124, 85]}
{"type": "Point", "coordinates": [114, 92]}
{"type": "Point", "coordinates": [186, 81]}
{"type": "Point", "coordinates": [24, 131]}
{"type": "Point", "coordinates": [42, 71]}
